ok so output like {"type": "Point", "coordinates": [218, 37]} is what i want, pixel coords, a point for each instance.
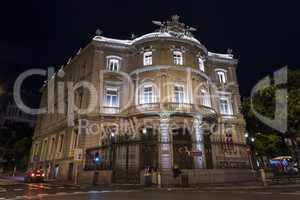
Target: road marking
{"type": "Point", "coordinates": [38, 186]}
{"type": "Point", "coordinates": [21, 197]}
{"type": "Point", "coordinates": [18, 189]}
{"type": "Point", "coordinates": [290, 193]}
{"type": "Point", "coordinates": [79, 192]}
{"type": "Point", "coordinates": [4, 190]}
{"type": "Point", "coordinates": [61, 187]}
{"type": "Point", "coordinates": [62, 193]}
{"type": "Point", "coordinates": [239, 192]}
{"type": "Point", "coordinates": [42, 195]}
{"type": "Point", "coordinates": [94, 191]}
{"type": "Point", "coordinates": [263, 193]}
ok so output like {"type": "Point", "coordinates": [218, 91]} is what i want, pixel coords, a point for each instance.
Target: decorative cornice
{"type": "Point", "coordinates": [222, 60]}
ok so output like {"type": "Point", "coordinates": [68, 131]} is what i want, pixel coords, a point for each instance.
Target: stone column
{"type": "Point", "coordinates": [165, 150]}
{"type": "Point", "coordinates": [189, 86]}
{"type": "Point", "coordinates": [198, 145]}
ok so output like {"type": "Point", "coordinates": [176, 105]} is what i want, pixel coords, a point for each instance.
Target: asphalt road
{"type": "Point", "coordinates": [54, 191]}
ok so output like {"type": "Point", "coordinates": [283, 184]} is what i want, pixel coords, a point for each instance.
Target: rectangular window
{"type": "Point", "coordinates": [205, 97]}
{"type": "Point", "coordinates": [111, 97]}
{"type": "Point", "coordinates": [201, 64]}
{"type": "Point", "coordinates": [177, 58]}
{"type": "Point", "coordinates": [113, 64]}
{"type": "Point", "coordinates": [225, 106]}
{"type": "Point", "coordinates": [148, 58]}
{"type": "Point", "coordinates": [178, 94]}
{"type": "Point", "coordinates": [148, 96]}
{"type": "Point", "coordinates": [221, 76]}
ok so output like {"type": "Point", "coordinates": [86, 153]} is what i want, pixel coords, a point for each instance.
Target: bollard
{"type": "Point", "coordinates": [263, 177]}
{"type": "Point", "coordinates": [159, 180]}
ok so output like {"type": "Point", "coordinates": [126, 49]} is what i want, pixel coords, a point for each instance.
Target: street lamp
{"type": "Point", "coordinates": [252, 139]}
{"type": "Point", "coordinates": [246, 135]}
{"type": "Point", "coordinates": [144, 131]}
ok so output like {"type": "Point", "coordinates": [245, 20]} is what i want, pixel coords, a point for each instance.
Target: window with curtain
{"type": "Point", "coordinates": [221, 76]}
{"type": "Point", "coordinates": [111, 97]}
{"type": "Point", "coordinates": [201, 64]}
{"type": "Point", "coordinates": [148, 58]}
{"type": "Point", "coordinates": [225, 106]}
{"type": "Point", "coordinates": [148, 94]}
{"type": "Point", "coordinates": [113, 64]}
{"type": "Point", "coordinates": [205, 97]}
{"type": "Point", "coordinates": [177, 58]}
{"type": "Point", "coordinates": [178, 94]}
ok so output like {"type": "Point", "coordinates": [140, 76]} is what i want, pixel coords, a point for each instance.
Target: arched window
{"type": "Point", "coordinates": [221, 75]}
{"type": "Point", "coordinates": [113, 63]}
{"type": "Point", "coordinates": [148, 95]}
{"type": "Point", "coordinates": [205, 97]}
{"type": "Point", "coordinates": [177, 58]}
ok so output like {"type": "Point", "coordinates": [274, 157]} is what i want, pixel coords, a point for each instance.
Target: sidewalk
{"type": "Point", "coordinates": [7, 182]}
{"type": "Point", "coordinates": [219, 187]}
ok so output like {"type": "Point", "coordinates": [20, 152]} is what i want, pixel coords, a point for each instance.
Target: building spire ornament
{"type": "Point", "coordinates": [174, 27]}
{"type": "Point", "coordinates": [98, 32]}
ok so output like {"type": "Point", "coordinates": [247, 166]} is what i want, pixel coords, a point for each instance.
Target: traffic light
{"type": "Point", "coordinates": [97, 158]}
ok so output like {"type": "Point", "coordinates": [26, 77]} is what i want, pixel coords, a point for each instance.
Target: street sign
{"type": "Point", "coordinates": [78, 154]}
{"type": "Point", "coordinates": [197, 153]}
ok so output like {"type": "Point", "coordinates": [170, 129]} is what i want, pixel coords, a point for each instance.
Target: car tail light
{"type": "Point", "coordinates": [43, 174]}
{"type": "Point", "coordinates": [32, 174]}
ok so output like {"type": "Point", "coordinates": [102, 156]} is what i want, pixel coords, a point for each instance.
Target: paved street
{"type": "Point", "coordinates": [64, 192]}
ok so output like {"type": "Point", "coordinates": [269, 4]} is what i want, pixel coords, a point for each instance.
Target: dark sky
{"type": "Point", "coordinates": [264, 35]}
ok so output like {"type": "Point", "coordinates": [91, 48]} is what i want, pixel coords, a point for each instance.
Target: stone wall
{"type": "Point", "coordinates": [210, 176]}
{"type": "Point", "coordinates": [87, 177]}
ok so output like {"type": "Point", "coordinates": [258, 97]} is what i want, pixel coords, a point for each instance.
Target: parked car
{"type": "Point", "coordinates": [36, 176]}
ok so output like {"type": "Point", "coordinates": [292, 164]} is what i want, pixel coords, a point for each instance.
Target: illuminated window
{"type": "Point", "coordinates": [111, 97]}
{"type": "Point", "coordinates": [201, 64]}
{"type": "Point", "coordinates": [177, 58]}
{"type": "Point", "coordinates": [221, 76]}
{"type": "Point", "coordinates": [113, 64]}
{"type": "Point", "coordinates": [205, 98]}
{"type": "Point", "coordinates": [147, 58]}
{"type": "Point", "coordinates": [225, 106]}
{"type": "Point", "coordinates": [148, 94]}
{"type": "Point", "coordinates": [178, 94]}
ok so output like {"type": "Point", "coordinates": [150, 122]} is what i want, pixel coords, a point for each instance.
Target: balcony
{"type": "Point", "coordinates": [169, 107]}
{"type": "Point", "coordinates": [110, 110]}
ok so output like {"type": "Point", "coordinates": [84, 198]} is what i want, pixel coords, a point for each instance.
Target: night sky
{"type": "Point", "coordinates": [264, 35]}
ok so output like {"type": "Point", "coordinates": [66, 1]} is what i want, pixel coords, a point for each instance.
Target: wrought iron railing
{"type": "Point", "coordinates": [169, 107]}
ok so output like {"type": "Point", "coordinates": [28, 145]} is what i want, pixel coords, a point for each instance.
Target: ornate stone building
{"type": "Point", "coordinates": [162, 101]}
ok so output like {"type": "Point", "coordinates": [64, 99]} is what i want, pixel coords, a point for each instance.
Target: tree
{"type": "Point", "coordinates": [264, 102]}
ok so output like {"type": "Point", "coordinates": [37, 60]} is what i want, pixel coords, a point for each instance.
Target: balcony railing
{"type": "Point", "coordinates": [169, 107]}
{"type": "Point", "coordinates": [110, 110]}
{"type": "Point", "coordinates": [159, 107]}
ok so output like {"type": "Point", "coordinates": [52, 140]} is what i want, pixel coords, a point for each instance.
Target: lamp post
{"type": "Point", "coordinates": [250, 142]}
